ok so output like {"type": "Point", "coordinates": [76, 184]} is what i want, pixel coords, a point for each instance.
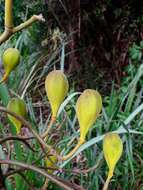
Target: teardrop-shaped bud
{"type": "Point", "coordinates": [11, 59]}
{"type": "Point", "coordinates": [88, 107]}
{"type": "Point", "coordinates": [112, 149]}
{"type": "Point", "coordinates": [56, 86]}
{"type": "Point", "coordinates": [17, 106]}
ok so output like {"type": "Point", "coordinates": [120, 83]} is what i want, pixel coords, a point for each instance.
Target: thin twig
{"type": "Point", "coordinates": [74, 171]}
{"type": "Point", "coordinates": [44, 135]}
{"type": "Point", "coordinates": [35, 134]}
{"type": "Point", "coordinates": [36, 169]}
{"type": "Point", "coordinates": [22, 139]}
{"type": "Point", "coordinates": [29, 22]}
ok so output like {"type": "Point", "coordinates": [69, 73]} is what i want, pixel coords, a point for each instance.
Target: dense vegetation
{"type": "Point", "coordinates": [98, 45]}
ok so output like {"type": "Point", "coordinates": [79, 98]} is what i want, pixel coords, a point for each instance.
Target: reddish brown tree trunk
{"type": "Point", "coordinates": [74, 24]}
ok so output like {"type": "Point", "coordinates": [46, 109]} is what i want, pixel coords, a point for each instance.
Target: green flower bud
{"type": "Point", "coordinates": [88, 107]}
{"type": "Point", "coordinates": [11, 59]}
{"type": "Point", "coordinates": [17, 106]}
{"type": "Point", "coordinates": [56, 86]}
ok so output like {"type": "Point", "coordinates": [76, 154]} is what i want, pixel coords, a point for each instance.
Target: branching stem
{"type": "Point", "coordinates": [9, 26]}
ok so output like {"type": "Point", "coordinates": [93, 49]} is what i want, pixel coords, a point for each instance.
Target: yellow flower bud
{"type": "Point", "coordinates": [11, 59]}
{"type": "Point", "coordinates": [56, 86]}
{"type": "Point", "coordinates": [17, 106]}
{"type": "Point", "coordinates": [88, 107]}
{"type": "Point", "coordinates": [112, 149]}
{"type": "Point", "coordinates": [51, 162]}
